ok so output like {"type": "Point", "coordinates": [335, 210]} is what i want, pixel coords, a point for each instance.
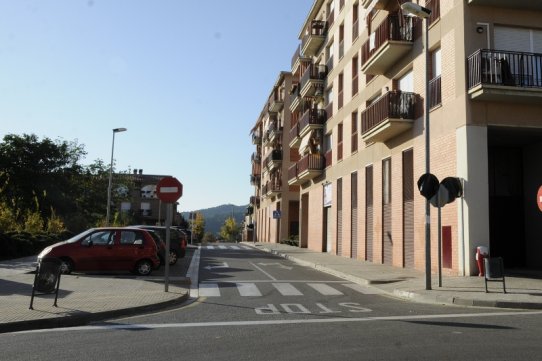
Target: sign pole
{"type": "Point", "coordinates": [168, 242]}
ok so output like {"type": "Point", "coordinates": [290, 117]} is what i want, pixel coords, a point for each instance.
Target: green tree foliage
{"type": "Point", "coordinates": [230, 230]}
{"type": "Point", "coordinates": [198, 226]}
{"type": "Point", "coordinates": [209, 238]}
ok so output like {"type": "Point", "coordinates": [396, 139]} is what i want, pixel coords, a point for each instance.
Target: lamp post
{"type": "Point", "coordinates": [108, 214]}
{"type": "Point", "coordinates": [424, 13]}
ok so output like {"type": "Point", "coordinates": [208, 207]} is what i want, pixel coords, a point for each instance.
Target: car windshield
{"type": "Point", "coordinates": [80, 236]}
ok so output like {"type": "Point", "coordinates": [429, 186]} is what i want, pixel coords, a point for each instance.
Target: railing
{"type": "Point", "coordinates": [294, 131]}
{"type": "Point", "coordinates": [297, 55]}
{"type": "Point", "coordinates": [255, 200]}
{"type": "Point", "coordinates": [294, 93]}
{"type": "Point", "coordinates": [393, 104]}
{"type": "Point", "coordinates": [255, 157]}
{"type": "Point", "coordinates": [507, 68]}
{"type": "Point", "coordinates": [435, 94]}
{"type": "Point", "coordinates": [255, 180]}
{"type": "Point", "coordinates": [318, 28]}
{"type": "Point", "coordinates": [393, 28]}
{"type": "Point", "coordinates": [312, 117]}
{"type": "Point", "coordinates": [292, 171]}
{"type": "Point", "coordinates": [310, 162]}
{"type": "Point", "coordinates": [314, 72]}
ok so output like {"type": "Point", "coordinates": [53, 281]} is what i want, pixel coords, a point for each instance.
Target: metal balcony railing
{"type": "Point", "coordinates": [394, 104]}
{"type": "Point", "coordinates": [312, 117]}
{"type": "Point", "coordinates": [393, 28]}
{"type": "Point", "coordinates": [506, 68]}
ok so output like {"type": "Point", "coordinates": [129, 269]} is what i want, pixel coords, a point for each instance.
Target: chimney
{"type": "Point", "coordinates": [141, 171]}
{"type": "Point", "coordinates": [135, 171]}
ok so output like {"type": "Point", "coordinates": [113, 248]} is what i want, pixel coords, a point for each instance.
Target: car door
{"type": "Point", "coordinates": [95, 251]}
{"type": "Point", "coordinates": [129, 249]}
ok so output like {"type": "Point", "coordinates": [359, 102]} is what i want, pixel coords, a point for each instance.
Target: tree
{"type": "Point", "coordinates": [198, 226]}
{"type": "Point", "coordinates": [230, 230]}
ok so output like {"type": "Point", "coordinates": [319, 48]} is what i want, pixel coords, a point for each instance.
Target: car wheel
{"type": "Point", "coordinates": [144, 268]}
{"type": "Point", "coordinates": [66, 267]}
{"type": "Point", "coordinates": [172, 257]}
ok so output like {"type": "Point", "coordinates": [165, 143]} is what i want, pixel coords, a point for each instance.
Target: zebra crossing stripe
{"type": "Point", "coordinates": [286, 289]}
{"type": "Point", "coordinates": [209, 290]}
{"type": "Point", "coordinates": [222, 247]}
{"type": "Point", "coordinates": [234, 247]}
{"type": "Point", "coordinates": [325, 289]}
{"type": "Point", "coordinates": [248, 290]}
{"type": "Point", "coordinates": [210, 247]}
{"type": "Point", "coordinates": [363, 289]}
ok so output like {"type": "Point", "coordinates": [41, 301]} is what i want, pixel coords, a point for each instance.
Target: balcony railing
{"type": "Point", "coordinates": [310, 120]}
{"type": "Point", "coordinates": [294, 136]}
{"type": "Point", "coordinates": [506, 75]}
{"type": "Point", "coordinates": [273, 187]}
{"type": "Point", "coordinates": [435, 94]}
{"type": "Point", "coordinates": [518, 4]}
{"type": "Point", "coordinates": [255, 157]}
{"type": "Point", "coordinates": [274, 159]}
{"type": "Point", "coordinates": [311, 43]}
{"type": "Point", "coordinates": [312, 81]}
{"type": "Point", "coordinates": [388, 116]}
{"type": "Point", "coordinates": [255, 201]}
{"type": "Point", "coordinates": [255, 180]}
{"type": "Point", "coordinates": [387, 45]}
{"type": "Point", "coordinates": [256, 138]}
{"type": "Point", "coordinates": [308, 167]}
{"type": "Point", "coordinates": [277, 100]}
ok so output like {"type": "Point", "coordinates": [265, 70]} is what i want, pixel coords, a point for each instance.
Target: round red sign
{"type": "Point", "coordinates": [169, 189]}
{"type": "Point", "coordinates": [539, 198]}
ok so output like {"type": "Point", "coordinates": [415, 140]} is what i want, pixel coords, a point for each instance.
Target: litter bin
{"type": "Point", "coordinates": [481, 253]}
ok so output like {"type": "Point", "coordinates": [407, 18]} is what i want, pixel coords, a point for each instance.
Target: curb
{"type": "Point", "coordinates": [84, 318]}
{"type": "Point", "coordinates": [411, 295]}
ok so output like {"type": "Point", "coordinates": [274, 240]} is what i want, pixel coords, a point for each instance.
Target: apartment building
{"type": "Point", "coordinates": [274, 209]}
{"type": "Point", "coordinates": [358, 108]}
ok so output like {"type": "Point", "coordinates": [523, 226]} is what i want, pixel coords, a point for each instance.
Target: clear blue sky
{"type": "Point", "coordinates": [187, 78]}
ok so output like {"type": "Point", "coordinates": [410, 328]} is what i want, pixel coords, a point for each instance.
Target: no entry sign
{"type": "Point", "coordinates": [539, 198]}
{"type": "Point", "coordinates": [169, 189]}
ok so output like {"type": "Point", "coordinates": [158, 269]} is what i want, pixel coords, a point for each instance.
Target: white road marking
{"type": "Point", "coordinates": [209, 290]}
{"type": "Point", "coordinates": [248, 290]}
{"type": "Point", "coordinates": [262, 271]}
{"type": "Point", "coordinates": [234, 247]}
{"type": "Point", "coordinates": [364, 289]}
{"type": "Point", "coordinates": [286, 289]}
{"type": "Point", "coordinates": [222, 247]}
{"type": "Point", "coordinates": [210, 247]}
{"type": "Point", "coordinates": [259, 323]}
{"type": "Point", "coordinates": [325, 289]}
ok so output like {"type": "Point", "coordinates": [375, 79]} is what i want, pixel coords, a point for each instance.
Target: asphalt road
{"type": "Point", "coordinates": [256, 306]}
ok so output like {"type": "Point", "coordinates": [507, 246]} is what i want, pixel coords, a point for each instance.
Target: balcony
{"type": "Point", "coordinates": [295, 139]}
{"type": "Point", "coordinates": [312, 81]}
{"type": "Point", "coordinates": [507, 76]}
{"type": "Point", "coordinates": [255, 201]}
{"type": "Point", "coordinates": [256, 138]}
{"type": "Point", "coordinates": [389, 43]}
{"type": "Point", "coordinates": [273, 187]}
{"type": "Point", "coordinates": [389, 116]}
{"type": "Point", "coordinates": [310, 120]}
{"type": "Point", "coordinates": [378, 4]}
{"type": "Point", "coordinates": [518, 4]}
{"type": "Point", "coordinates": [277, 100]}
{"type": "Point", "coordinates": [308, 167]}
{"type": "Point", "coordinates": [313, 41]}
{"type": "Point", "coordinates": [255, 157]}
{"type": "Point", "coordinates": [274, 159]}
{"type": "Point", "coordinates": [295, 98]}
{"type": "Point", "coordinates": [255, 180]}
{"type": "Point", "coordinates": [297, 59]}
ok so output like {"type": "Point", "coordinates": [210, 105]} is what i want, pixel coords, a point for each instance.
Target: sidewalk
{"type": "Point", "coordinates": [522, 293]}
{"type": "Point", "coordinates": [82, 298]}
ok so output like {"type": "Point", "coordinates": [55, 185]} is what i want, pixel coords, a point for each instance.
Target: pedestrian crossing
{"type": "Point", "coordinates": [255, 289]}
{"type": "Point", "coordinates": [218, 247]}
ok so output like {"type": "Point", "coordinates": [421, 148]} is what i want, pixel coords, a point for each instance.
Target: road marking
{"type": "Point", "coordinates": [280, 265]}
{"type": "Point", "coordinates": [222, 247]}
{"type": "Point", "coordinates": [262, 271]}
{"type": "Point", "coordinates": [223, 265]}
{"type": "Point", "coordinates": [325, 289]}
{"type": "Point", "coordinates": [248, 290]}
{"type": "Point", "coordinates": [210, 247]}
{"type": "Point", "coordinates": [286, 289]}
{"type": "Point", "coordinates": [259, 323]}
{"type": "Point", "coordinates": [364, 289]}
{"type": "Point", "coordinates": [209, 290]}
{"type": "Point", "coordinates": [234, 247]}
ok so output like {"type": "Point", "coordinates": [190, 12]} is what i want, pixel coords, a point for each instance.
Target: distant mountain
{"type": "Point", "coordinates": [216, 216]}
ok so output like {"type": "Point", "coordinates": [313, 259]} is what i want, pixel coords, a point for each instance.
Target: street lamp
{"type": "Point", "coordinates": [420, 12]}
{"type": "Point", "coordinates": [108, 214]}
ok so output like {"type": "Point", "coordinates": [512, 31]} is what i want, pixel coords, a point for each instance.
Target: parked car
{"type": "Point", "coordinates": [107, 249]}
{"type": "Point", "coordinates": [177, 239]}
{"type": "Point", "coordinates": [161, 244]}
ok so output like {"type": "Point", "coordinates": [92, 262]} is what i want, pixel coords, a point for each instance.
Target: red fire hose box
{"type": "Point", "coordinates": [481, 253]}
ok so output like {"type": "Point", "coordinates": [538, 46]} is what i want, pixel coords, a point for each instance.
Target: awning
{"type": "Point", "coordinates": [304, 145]}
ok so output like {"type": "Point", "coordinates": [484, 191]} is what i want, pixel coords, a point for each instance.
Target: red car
{"type": "Point", "coordinates": [107, 249]}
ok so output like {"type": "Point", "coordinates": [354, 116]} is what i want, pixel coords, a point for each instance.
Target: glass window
{"type": "Point", "coordinates": [99, 238]}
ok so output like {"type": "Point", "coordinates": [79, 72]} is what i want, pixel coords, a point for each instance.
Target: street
{"type": "Point", "coordinates": [253, 305]}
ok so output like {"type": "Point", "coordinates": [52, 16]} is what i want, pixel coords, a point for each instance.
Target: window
{"type": "Point", "coordinates": [129, 237]}
{"type": "Point", "coordinates": [340, 141]}
{"type": "Point", "coordinates": [406, 82]}
{"type": "Point", "coordinates": [100, 238]}
{"type": "Point", "coordinates": [340, 97]}
{"type": "Point", "coordinates": [435, 94]}
{"type": "Point", "coordinates": [355, 22]}
{"type": "Point", "coordinates": [355, 72]}
{"type": "Point", "coordinates": [354, 144]}
{"type": "Point", "coordinates": [386, 181]}
{"type": "Point", "coordinates": [341, 41]}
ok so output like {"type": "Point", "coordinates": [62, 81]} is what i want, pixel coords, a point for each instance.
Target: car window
{"type": "Point", "coordinates": [131, 237]}
{"type": "Point", "coordinates": [99, 238]}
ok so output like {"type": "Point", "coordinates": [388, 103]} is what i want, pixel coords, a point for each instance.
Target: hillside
{"type": "Point", "coordinates": [215, 217]}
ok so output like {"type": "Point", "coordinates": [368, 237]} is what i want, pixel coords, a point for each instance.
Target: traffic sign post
{"type": "Point", "coordinates": [168, 190]}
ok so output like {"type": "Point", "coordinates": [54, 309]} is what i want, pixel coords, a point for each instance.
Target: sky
{"type": "Point", "coordinates": [188, 79]}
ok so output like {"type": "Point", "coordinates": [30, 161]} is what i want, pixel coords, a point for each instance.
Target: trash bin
{"type": "Point", "coordinates": [481, 253]}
